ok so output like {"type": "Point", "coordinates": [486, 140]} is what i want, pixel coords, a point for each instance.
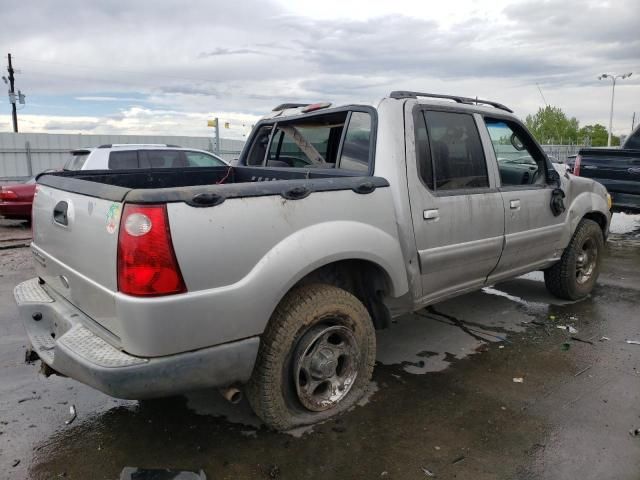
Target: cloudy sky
{"type": "Point", "coordinates": [165, 67]}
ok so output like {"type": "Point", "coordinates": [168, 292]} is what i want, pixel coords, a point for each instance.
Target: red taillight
{"type": "Point", "coordinates": [8, 195]}
{"type": "Point", "coordinates": [147, 264]}
{"type": "Point", "coordinates": [576, 165]}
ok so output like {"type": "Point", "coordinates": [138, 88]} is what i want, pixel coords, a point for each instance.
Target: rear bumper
{"type": "Point", "coordinates": [67, 340]}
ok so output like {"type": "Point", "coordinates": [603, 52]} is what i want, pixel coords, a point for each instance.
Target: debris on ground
{"type": "Point", "coordinates": [134, 473]}
{"type": "Point", "coordinates": [458, 459]}
{"type": "Point", "coordinates": [635, 432]}
{"type": "Point", "coordinates": [578, 339]}
{"type": "Point", "coordinates": [565, 346]}
{"type": "Point", "coordinates": [552, 317]}
{"type": "Point", "coordinates": [604, 339]}
{"type": "Point", "coordinates": [437, 447]}
{"type": "Point", "coordinates": [26, 399]}
{"type": "Point", "coordinates": [518, 380]}
{"type": "Point", "coordinates": [15, 463]}
{"type": "Point", "coordinates": [583, 370]}
{"type": "Point", "coordinates": [568, 328]}
{"type": "Point", "coordinates": [633, 342]}
{"type": "Point", "coordinates": [73, 413]}
{"type": "Point", "coordinates": [274, 471]}
{"type": "Point", "coordinates": [428, 472]}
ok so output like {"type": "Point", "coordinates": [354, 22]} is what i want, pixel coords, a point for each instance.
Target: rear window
{"type": "Point", "coordinates": [76, 161]}
{"type": "Point", "coordinates": [315, 142]}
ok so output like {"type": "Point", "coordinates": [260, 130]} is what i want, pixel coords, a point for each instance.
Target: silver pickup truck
{"type": "Point", "coordinates": [273, 274]}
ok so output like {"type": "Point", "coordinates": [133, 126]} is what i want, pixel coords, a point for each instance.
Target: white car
{"type": "Point", "coordinates": [134, 156]}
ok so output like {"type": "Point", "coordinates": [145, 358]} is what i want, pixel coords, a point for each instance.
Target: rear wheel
{"type": "Point", "coordinates": [316, 357]}
{"type": "Point", "coordinates": [575, 275]}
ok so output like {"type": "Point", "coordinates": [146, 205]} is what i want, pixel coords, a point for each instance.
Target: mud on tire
{"type": "Point", "coordinates": [575, 275]}
{"type": "Point", "coordinates": [286, 388]}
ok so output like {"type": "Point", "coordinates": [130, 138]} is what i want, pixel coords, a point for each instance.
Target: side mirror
{"type": "Point", "coordinates": [553, 177]}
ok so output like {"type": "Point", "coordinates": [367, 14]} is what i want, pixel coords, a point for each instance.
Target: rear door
{"type": "Point", "coordinates": [457, 211]}
{"type": "Point", "coordinates": [533, 234]}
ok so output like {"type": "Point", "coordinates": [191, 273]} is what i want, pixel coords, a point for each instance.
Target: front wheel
{"type": "Point", "coordinates": [315, 359]}
{"type": "Point", "coordinates": [575, 275]}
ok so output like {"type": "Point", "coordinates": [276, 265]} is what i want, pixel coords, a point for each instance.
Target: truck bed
{"type": "Point", "coordinates": [618, 169]}
{"type": "Point", "coordinates": [205, 186]}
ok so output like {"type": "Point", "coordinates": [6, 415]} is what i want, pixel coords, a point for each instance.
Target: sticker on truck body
{"type": "Point", "coordinates": [113, 218]}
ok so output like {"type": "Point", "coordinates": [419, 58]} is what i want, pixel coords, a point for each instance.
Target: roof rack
{"type": "Point", "coordinates": [113, 145]}
{"type": "Point", "coordinates": [465, 100]}
{"type": "Point", "coordinates": [284, 106]}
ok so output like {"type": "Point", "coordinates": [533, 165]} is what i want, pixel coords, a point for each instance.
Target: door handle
{"type": "Point", "coordinates": [431, 214]}
{"type": "Point", "coordinates": [60, 213]}
{"type": "Point", "coordinates": [514, 204]}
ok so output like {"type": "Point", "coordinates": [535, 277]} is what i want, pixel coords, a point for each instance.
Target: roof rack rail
{"type": "Point", "coordinates": [284, 106]}
{"type": "Point", "coordinates": [113, 145]}
{"type": "Point", "coordinates": [458, 99]}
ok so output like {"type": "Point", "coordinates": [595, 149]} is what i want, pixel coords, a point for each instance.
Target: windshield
{"type": "Point", "coordinates": [76, 162]}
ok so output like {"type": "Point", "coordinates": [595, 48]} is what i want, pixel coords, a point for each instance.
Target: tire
{"type": "Point", "coordinates": [575, 275]}
{"type": "Point", "coordinates": [317, 330]}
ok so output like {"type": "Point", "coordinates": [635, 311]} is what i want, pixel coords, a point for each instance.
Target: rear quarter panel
{"type": "Point", "coordinates": [239, 259]}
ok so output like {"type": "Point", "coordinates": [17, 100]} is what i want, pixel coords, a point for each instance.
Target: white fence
{"type": "Point", "coordinates": [25, 154]}
{"type": "Point", "coordinates": [562, 152]}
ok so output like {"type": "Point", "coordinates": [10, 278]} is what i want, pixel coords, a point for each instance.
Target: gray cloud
{"type": "Point", "coordinates": [248, 56]}
{"type": "Point", "coordinates": [229, 51]}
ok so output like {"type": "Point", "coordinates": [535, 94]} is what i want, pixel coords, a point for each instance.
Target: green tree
{"type": "Point", "coordinates": [550, 125]}
{"type": "Point", "coordinates": [597, 135]}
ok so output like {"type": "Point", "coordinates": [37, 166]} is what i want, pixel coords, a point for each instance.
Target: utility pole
{"type": "Point", "coordinates": [12, 95]}
{"type": "Point", "coordinates": [217, 136]}
{"type": "Point", "coordinates": [633, 121]}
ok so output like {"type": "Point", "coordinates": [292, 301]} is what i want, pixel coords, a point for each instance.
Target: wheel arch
{"type": "Point", "coordinates": [365, 279]}
{"type": "Point", "coordinates": [601, 219]}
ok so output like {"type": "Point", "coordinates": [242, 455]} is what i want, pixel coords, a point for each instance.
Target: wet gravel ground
{"type": "Point", "coordinates": [443, 401]}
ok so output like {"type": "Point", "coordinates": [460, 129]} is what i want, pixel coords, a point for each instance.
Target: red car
{"type": "Point", "coordinates": [16, 200]}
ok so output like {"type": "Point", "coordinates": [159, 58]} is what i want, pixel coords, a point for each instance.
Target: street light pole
{"type": "Point", "coordinates": [613, 78]}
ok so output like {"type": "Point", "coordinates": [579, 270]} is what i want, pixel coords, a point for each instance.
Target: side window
{"type": "Point", "coordinates": [198, 159]}
{"type": "Point", "coordinates": [423, 155]}
{"type": "Point", "coordinates": [519, 161]}
{"type": "Point", "coordinates": [456, 151]}
{"type": "Point", "coordinates": [123, 160]}
{"type": "Point", "coordinates": [355, 150]}
{"type": "Point", "coordinates": [259, 146]}
{"type": "Point", "coordinates": [164, 159]}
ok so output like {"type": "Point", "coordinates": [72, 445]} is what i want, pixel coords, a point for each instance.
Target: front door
{"type": "Point", "coordinates": [457, 211]}
{"type": "Point", "coordinates": [533, 234]}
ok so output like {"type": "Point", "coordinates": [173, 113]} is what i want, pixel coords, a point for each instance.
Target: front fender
{"type": "Point", "coordinates": [586, 197]}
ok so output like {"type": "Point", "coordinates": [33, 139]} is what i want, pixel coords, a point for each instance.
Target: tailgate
{"type": "Point", "coordinates": [75, 241]}
{"type": "Point", "coordinates": [618, 170]}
